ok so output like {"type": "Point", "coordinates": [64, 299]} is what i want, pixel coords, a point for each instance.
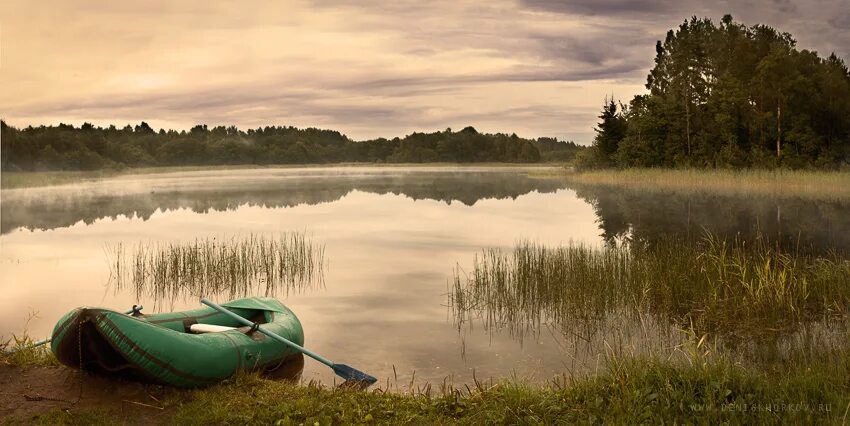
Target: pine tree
{"type": "Point", "coordinates": [610, 131]}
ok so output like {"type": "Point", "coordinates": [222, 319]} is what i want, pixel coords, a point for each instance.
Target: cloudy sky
{"type": "Point", "coordinates": [367, 68]}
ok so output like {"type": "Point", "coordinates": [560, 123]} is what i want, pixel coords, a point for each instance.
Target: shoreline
{"type": "Point", "coordinates": [781, 183]}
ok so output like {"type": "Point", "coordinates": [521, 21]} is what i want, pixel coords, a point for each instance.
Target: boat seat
{"type": "Point", "coordinates": [210, 328]}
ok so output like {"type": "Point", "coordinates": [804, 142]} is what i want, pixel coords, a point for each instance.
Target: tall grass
{"type": "Point", "coordinates": [781, 183]}
{"type": "Point", "coordinates": [230, 267]}
{"type": "Point", "coordinates": [730, 288]}
{"type": "Point", "coordinates": [22, 350]}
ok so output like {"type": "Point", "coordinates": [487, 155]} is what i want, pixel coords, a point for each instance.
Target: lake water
{"type": "Point", "coordinates": [393, 239]}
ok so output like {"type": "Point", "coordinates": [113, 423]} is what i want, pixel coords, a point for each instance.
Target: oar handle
{"type": "Point", "coordinates": [275, 336]}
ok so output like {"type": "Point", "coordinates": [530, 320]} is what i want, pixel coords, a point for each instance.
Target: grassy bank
{"type": "Point", "coordinates": [782, 183]}
{"type": "Point", "coordinates": [629, 392]}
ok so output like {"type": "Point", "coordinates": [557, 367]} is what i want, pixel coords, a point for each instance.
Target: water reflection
{"type": "Point", "coordinates": [49, 208]}
{"type": "Point", "coordinates": [289, 369]}
{"type": "Point", "coordinates": [807, 225]}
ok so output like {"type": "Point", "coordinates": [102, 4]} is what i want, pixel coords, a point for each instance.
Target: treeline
{"type": "Point", "coordinates": [730, 96]}
{"type": "Point", "coordinates": [65, 147]}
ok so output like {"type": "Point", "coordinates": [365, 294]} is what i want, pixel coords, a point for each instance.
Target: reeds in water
{"type": "Point", "coordinates": [232, 267]}
{"type": "Point", "coordinates": [729, 288]}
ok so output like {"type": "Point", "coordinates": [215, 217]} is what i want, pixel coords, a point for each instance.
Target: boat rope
{"type": "Point", "coordinates": [80, 354]}
{"type": "Point", "coordinates": [36, 398]}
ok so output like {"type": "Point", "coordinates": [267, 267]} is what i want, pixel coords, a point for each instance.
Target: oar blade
{"type": "Point", "coordinates": [353, 374]}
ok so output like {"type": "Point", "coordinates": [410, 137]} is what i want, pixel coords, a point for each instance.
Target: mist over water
{"type": "Point", "coordinates": [202, 192]}
{"type": "Point", "coordinates": [393, 239]}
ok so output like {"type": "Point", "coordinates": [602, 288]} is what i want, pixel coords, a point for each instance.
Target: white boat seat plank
{"type": "Point", "coordinates": [209, 328]}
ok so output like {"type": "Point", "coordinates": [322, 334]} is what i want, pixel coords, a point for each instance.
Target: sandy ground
{"type": "Point", "coordinates": [28, 392]}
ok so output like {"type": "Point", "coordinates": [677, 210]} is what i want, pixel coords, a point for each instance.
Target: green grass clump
{"type": "Point", "coordinates": [731, 288]}
{"type": "Point", "coordinates": [822, 185]}
{"type": "Point", "coordinates": [19, 351]}
{"type": "Point", "coordinates": [233, 267]}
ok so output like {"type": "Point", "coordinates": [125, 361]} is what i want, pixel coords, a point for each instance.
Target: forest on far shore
{"type": "Point", "coordinates": [730, 96]}
{"type": "Point", "coordinates": [65, 147]}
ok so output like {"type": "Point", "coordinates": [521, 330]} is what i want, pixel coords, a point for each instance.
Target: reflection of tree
{"type": "Point", "coordinates": [646, 216]}
{"type": "Point", "coordinates": [64, 207]}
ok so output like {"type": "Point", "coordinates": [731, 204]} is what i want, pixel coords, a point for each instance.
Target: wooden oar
{"type": "Point", "coordinates": [341, 370]}
{"type": "Point", "coordinates": [46, 341]}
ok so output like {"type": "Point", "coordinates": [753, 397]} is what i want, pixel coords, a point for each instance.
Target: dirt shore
{"type": "Point", "coordinates": [29, 393]}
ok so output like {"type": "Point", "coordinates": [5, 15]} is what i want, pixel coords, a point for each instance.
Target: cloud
{"type": "Point", "coordinates": [604, 8]}
{"type": "Point", "coordinates": [367, 68]}
{"type": "Point", "coordinates": [785, 6]}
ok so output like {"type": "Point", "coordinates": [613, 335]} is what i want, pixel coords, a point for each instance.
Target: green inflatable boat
{"type": "Point", "coordinates": [186, 349]}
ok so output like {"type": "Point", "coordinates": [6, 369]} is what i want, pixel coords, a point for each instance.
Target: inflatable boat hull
{"type": "Point", "coordinates": [161, 348]}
